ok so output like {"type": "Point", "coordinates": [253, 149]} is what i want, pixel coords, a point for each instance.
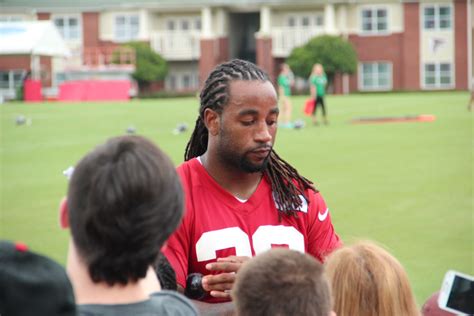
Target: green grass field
{"type": "Point", "coordinates": [408, 186]}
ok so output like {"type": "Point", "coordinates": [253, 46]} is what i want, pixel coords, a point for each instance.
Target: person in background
{"type": "Point", "coordinates": [366, 280]}
{"type": "Point", "coordinates": [124, 201]}
{"type": "Point", "coordinates": [282, 282]}
{"type": "Point", "coordinates": [431, 308]}
{"type": "Point", "coordinates": [32, 284]}
{"type": "Point", "coordinates": [285, 81]}
{"type": "Point", "coordinates": [318, 82]}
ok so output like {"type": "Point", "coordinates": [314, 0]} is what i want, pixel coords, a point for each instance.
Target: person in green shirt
{"type": "Point", "coordinates": [318, 82]}
{"type": "Point", "coordinates": [285, 81]}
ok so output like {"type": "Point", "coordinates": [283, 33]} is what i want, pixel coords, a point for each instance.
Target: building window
{"type": "Point", "coordinates": [11, 79]}
{"type": "Point", "coordinates": [375, 76]}
{"type": "Point", "coordinates": [126, 27]}
{"type": "Point", "coordinates": [197, 24]}
{"type": "Point", "coordinates": [11, 18]}
{"type": "Point", "coordinates": [318, 20]}
{"type": "Point", "coordinates": [183, 24]}
{"type": "Point", "coordinates": [170, 25]}
{"type": "Point", "coordinates": [291, 21]}
{"type": "Point", "coordinates": [68, 26]}
{"type": "Point", "coordinates": [172, 82]}
{"type": "Point", "coordinates": [374, 21]}
{"type": "Point", "coordinates": [186, 82]}
{"type": "Point", "coordinates": [305, 20]}
{"type": "Point", "coordinates": [438, 75]}
{"type": "Point", "coordinates": [437, 17]}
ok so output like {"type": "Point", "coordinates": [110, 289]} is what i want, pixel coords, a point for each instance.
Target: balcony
{"type": "Point", "coordinates": [110, 58]}
{"type": "Point", "coordinates": [284, 39]}
{"type": "Point", "coordinates": [177, 45]}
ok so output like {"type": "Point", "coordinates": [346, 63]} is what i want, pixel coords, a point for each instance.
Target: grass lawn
{"type": "Point", "coordinates": [408, 186]}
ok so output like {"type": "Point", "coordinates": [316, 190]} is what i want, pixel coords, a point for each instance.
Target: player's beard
{"type": "Point", "coordinates": [235, 159]}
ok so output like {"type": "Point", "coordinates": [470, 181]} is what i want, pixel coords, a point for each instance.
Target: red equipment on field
{"type": "Point", "coordinates": [309, 107]}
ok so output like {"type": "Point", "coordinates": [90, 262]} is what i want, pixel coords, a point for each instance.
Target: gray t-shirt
{"type": "Point", "coordinates": [160, 303]}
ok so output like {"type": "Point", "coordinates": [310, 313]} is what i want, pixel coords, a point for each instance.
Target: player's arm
{"type": "Point", "coordinates": [312, 90]}
{"type": "Point", "coordinates": [322, 237]}
{"type": "Point", "coordinates": [281, 91]}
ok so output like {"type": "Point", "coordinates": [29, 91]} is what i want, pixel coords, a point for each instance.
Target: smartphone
{"type": "Point", "coordinates": [457, 293]}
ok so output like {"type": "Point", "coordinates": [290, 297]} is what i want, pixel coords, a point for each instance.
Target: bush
{"type": "Point", "coordinates": [333, 52]}
{"type": "Point", "coordinates": [149, 66]}
{"type": "Point", "coordinates": [165, 94]}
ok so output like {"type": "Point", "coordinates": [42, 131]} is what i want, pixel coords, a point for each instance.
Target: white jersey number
{"type": "Point", "coordinates": [234, 237]}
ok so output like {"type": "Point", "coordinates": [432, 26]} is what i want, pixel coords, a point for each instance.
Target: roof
{"type": "Point", "coordinates": [31, 38]}
{"type": "Point", "coordinates": [51, 5]}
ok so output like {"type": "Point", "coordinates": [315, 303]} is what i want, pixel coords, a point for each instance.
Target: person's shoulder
{"type": "Point", "coordinates": [159, 303]}
{"type": "Point", "coordinates": [313, 194]}
{"type": "Point", "coordinates": [185, 165]}
{"type": "Point", "coordinates": [187, 168]}
{"type": "Point", "coordinates": [172, 303]}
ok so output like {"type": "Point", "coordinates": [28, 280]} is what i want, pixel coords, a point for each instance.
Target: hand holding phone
{"type": "Point", "coordinates": [457, 293]}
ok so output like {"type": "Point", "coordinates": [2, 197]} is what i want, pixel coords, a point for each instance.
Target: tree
{"type": "Point", "coordinates": [335, 54]}
{"type": "Point", "coordinates": [149, 66]}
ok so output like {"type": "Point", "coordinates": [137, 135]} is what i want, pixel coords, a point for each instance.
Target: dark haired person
{"type": "Point", "coordinates": [241, 197]}
{"type": "Point", "coordinates": [124, 201]}
{"type": "Point", "coordinates": [32, 284]}
{"type": "Point", "coordinates": [282, 282]}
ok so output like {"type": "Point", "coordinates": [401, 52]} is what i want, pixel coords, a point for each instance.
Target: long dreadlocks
{"type": "Point", "coordinates": [287, 184]}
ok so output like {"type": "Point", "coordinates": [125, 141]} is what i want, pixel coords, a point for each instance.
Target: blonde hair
{"type": "Point", "coordinates": [317, 68]}
{"type": "Point", "coordinates": [367, 280]}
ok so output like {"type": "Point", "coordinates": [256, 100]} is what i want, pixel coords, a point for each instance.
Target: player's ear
{"type": "Point", "coordinates": [63, 214]}
{"type": "Point", "coordinates": [212, 122]}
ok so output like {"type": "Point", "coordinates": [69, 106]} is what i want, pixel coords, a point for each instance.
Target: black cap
{"type": "Point", "coordinates": [31, 284]}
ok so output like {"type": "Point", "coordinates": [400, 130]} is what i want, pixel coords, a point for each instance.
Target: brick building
{"type": "Point", "coordinates": [401, 45]}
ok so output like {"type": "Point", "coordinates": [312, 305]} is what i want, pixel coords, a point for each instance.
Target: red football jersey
{"type": "Point", "coordinates": [216, 224]}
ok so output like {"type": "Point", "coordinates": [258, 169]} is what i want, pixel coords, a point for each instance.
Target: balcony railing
{"type": "Point", "coordinates": [284, 39]}
{"type": "Point", "coordinates": [108, 57]}
{"type": "Point", "coordinates": [177, 45]}
{"type": "Point", "coordinates": [101, 59]}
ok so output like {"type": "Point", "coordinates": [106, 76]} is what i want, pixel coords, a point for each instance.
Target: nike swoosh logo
{"type": "Point", "coordinates": [323, 216]}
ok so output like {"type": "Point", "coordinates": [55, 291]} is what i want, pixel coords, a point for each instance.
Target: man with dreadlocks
{"type": "Point", "coordinates": [241, 197]}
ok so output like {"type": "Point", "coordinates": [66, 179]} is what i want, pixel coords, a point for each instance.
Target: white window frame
{"type": "Point", "coordinates": [437, 18]}
{"type": "Point", "coordinates": [312, 18]}
{"type": "Point", "coordinates": [437, 85]}
{"type": "Point", "coordinates": [178, 22]}
{"type": "Point", "coordinates": [190, 81]}
{"type": "Point", "coordinates": [172, 82]}
{"type": "Point", "coordinates": [179, 81]}
{"type": "Point", "coordinates": [12, 18]}
{"type": "Point", "coordinates": [360, 76]}
{"type": "Point", "coordinates": [128, 33]}
{"type": "Point", "coordinates": [12, 84]}
{"type": "Point", "coordinates": [374, 22]}
{"type": "Point", "coordinates": [66, 28]}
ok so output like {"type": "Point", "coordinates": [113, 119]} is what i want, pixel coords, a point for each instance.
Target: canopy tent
{"type": "Point", "coordinates": [34, 39]}
{"type": "Point", "coordinates": [37, 38]}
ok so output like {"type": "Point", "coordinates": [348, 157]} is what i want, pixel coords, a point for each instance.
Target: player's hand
{"type": "Point", "coordinates": [219, 285]}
